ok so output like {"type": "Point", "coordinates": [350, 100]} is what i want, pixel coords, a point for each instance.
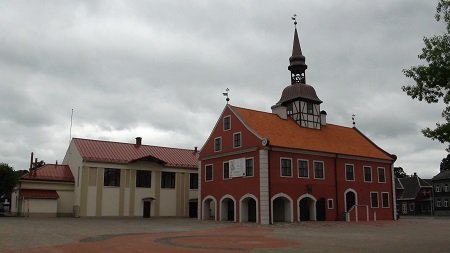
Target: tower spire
{"type": "Point", "coordinates": [297, 64]}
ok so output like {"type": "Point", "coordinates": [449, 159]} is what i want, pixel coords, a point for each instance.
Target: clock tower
{"type": "Point", "coordinates": [299, 100]}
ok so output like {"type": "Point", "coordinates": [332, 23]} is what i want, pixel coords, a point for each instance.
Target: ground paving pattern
{"type": "Point", "coordinates": [61, 235]}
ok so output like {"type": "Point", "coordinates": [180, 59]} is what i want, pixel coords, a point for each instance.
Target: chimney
{"type": "Point", "coordinates": [323, 118]}
{"type": "Point", "coordinates": [280, 111]}
{"type": "Point", "coordinates": [195, 150]}
{"type": "Point", "coordinates": [138, 141]}
{"type": "Point", "coordinates": [415, 174]}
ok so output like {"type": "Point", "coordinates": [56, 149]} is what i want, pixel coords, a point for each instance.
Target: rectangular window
{"type": "Point", "coordinates": [236, 140]}
{"type": "Point", "coordinates": [168, 180]}
{"type": "Point", "coordinates": [319, 170]}
{"type": "Point", "coordinates": [209, 172]}
{"type": "Point", "coordinates": [349, 172]}
{"type": "Point", "coordinates": [367, 174]}
{"type": "Point", "coordinates": [445, 187]}
{"type": "Point", "coordinates": [309, 108]}
{"type": "Point", "coordinates": [193, 181]}
{"type": "Point", "coordinates": [330, 204]}
{"type": "Point", "coordinates": [286, 167]}
{"type": "Point", "coordinates": [411, 207]}
{"type": "Point", "coordinates": [385, 199]}
{"type": "Point", "coordinates": [437, 188]}
{"type": "Point", "coordinates": [217, 144]}
{"type": "Point", "coordinates": [226, 170]}
{"type": "Point", "coordinates": [249, 167]}
{"type": "Point", "coordinates": [143, 178]}
{"type": "Point", "coordinates": [111, 177]}
{"type": "Point", "coordinates": [303, 168]}
{"type": "Point", "coordinates": [446, 203]}
{"type": "Point", "coordinates": [374, 199]}
{"type": "Point", "coordinates": [381, 175]}
{"type": "Point", "coordinates": [227, 123]}
{"type": "Point", "coordinates": [438, 203]}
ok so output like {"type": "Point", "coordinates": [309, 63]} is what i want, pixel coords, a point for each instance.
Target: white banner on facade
{"type": "Point", "coordinates": [237, 167]}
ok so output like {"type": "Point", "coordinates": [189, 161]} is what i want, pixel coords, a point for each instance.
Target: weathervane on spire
{"type": "Point", "coordinates": [294, 17]}
{"type": "Point", "coordinates": [226, 95]}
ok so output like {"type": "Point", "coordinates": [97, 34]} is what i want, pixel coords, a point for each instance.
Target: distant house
{"type": "Point", "coordinates": [47, 191]}
{"type": "Point", "coordinates": [413, 195]}
{"type": "Point", "coordinates": [112, 179]}
{"type": "Point", "coordinates": [441, 194]}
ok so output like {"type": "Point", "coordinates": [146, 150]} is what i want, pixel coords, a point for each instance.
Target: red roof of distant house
{"type": "Point", "coordinates": [117, 152]}
{"type": "Point", "coordinates": [50, 172]}
{"type": "Point", "coordinates": [38, 194]}
{"type": "Point", "coordinates": [330, 138]}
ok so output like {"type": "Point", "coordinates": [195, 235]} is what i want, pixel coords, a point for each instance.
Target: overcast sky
{"type": "Point", "coordinates": [157, 69]}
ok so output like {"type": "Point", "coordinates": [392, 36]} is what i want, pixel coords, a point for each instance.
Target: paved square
{"type": "Point", "coordinates": [189, 235]}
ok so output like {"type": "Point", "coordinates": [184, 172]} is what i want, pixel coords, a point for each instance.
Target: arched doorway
{"type": "Point", "coordinates": [209, 208]}
{"type": "Point", "coordinates": [227, 208]}
{"type": "Point", "coordinates": [248, 209]}
{"type": "Point", "coordinates": [281, 208]}
{"type": "Point", "coordinates": [350, 199]}
{"type": "Point", "coordinates": [307, 207]}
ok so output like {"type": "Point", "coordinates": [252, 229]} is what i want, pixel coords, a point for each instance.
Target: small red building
{"type": "Point", "coordinates": [291, 165]}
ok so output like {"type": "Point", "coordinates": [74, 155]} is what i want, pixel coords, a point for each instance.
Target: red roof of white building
{"type": "Point", "coordinates": [286, 133]}
{"type": "Point", "coordinates": [117, 152]}
{"type": "Point", "coordinates": [50, 172]}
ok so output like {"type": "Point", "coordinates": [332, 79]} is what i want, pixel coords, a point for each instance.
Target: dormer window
{"type": "Point", "coordinates": [226, 123]}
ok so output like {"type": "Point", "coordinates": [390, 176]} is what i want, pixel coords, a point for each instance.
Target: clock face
{"type": "Point", "coordinates": [264, 142]}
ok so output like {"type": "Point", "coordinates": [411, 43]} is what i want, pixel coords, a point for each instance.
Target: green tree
{"type": "Point", "coordinates": [432, 81]}
{"type": "Point", "coordinates": [7, 179]}
{"type": "Point", "coordinates": [399, 172]}
{"type": "Point", "coordinates": [445, 163]}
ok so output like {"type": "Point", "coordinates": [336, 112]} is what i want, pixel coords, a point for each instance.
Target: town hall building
{"type": "Point", "coordinates": [291, 165]}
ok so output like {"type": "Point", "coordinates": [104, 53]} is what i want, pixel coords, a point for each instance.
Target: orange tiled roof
{"type": "Point", "coordinates": [117, 152]}
{"type": "Point", "coordinates": [50, 172]}
{"type": "Point", "coordinates": [331, 138]}
{"type": "Point", "coordinates": [38, 194]}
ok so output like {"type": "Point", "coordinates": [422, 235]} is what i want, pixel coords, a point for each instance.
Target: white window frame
{"type": "Point", "coordinates": [240, 139]}
{"type": "Point", "coordinates": [298, 167]}
{"type": "Point", "coordinates": [323, 169]}
{"type": "Point", "coordinates": [384, 173]}
{"type": "Point", "coordinates": [364, 174]}
{"type": "Point", "coordinates": [388, 200]}
{"type": "Point", "coordinates": [212, 172]}
{"type": "Point", "coordinates": [353, 172]}
{"type": "Point", "coordinates": [223, 126]}
{"type": "Point", "coordinates": [328, 203]}
{"type": "Point", "coordinates": [223, 170]}
{"type": "Point", "coordinates": [437, 188]}
{"type": "Point", "coordinates": [218, 138]}
{"type": "Point", "coordinates": [445, 187]}
{"type": "Point", "coordinates": [378, 200]}
{"type": "Point", "coordinates": [281, 166]}
{"type": "Point", "coordinates": [438, 203]}
{"type": "Point", "coordinates": [445, 202]}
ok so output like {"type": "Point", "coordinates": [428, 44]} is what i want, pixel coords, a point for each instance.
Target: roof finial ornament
{"type": "Point", "coordinates": [294, 17]}
{"type": "Point", "coordinates": [226, 95]}
{"type": "Point", "coordinates": [353, 119]}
